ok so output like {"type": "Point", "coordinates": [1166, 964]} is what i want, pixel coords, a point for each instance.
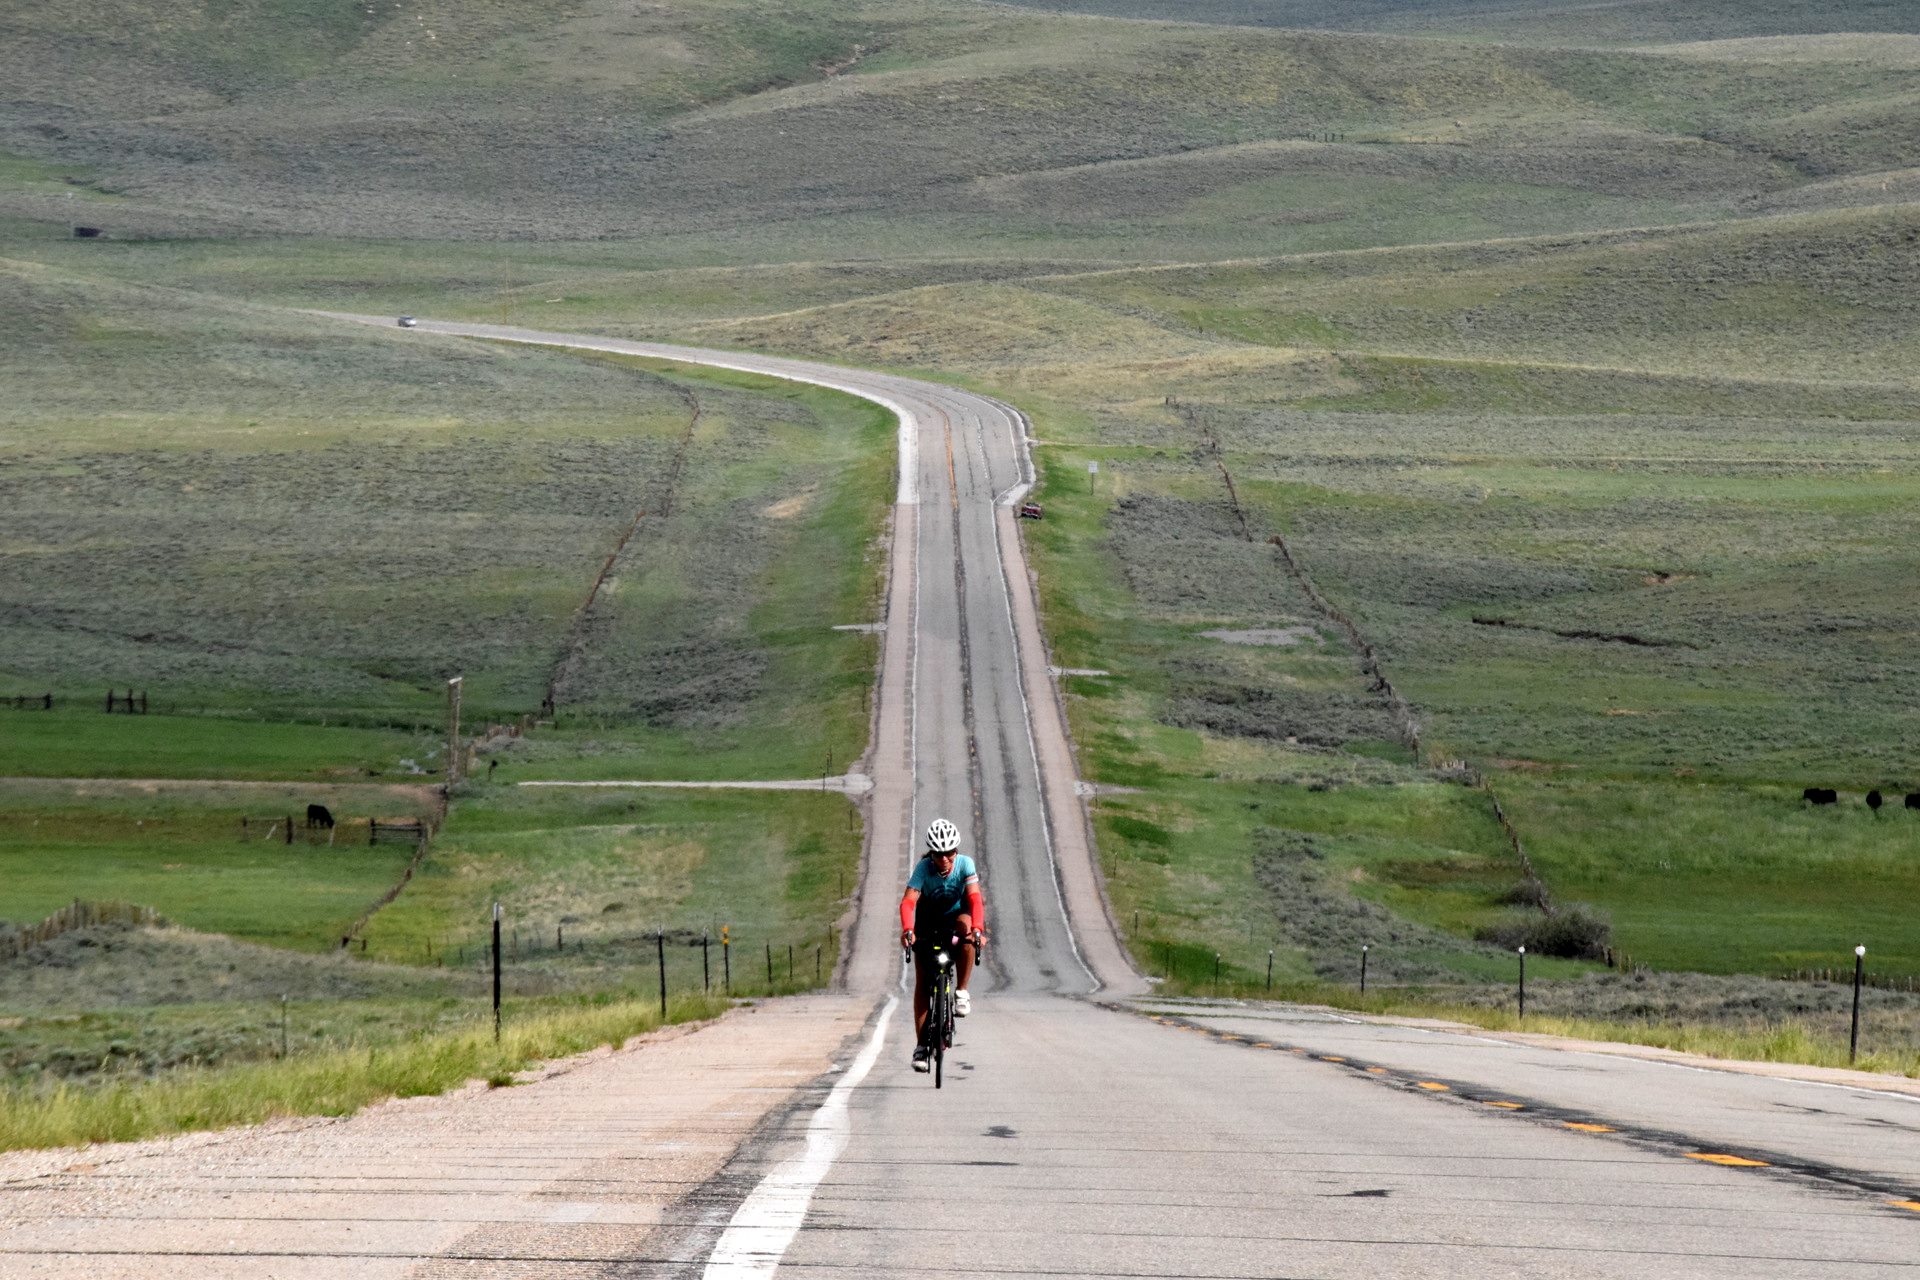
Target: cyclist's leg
{"type": "Point", "coordinates": [964, 954]}
{"type": "Point", "coordinates": [922, 984]}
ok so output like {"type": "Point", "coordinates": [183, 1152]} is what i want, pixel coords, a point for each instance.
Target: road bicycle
{"type": "Point", "coordinates": [937, 1036]}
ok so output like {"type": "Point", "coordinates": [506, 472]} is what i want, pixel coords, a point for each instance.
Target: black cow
{"type": "Point", "coordinates": [1820, 795]}
{"type": "Point", "coordinates": [1874, 801]}
{"type": "Point", "coordinates": [1913, 799]}
{"type": "Point", "coordinates": [318, 816]}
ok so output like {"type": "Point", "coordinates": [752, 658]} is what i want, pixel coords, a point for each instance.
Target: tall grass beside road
{"type": "Point", "coordinates": [1891, 1043]}
{"type": "Point", "coordinates": [331, 1082]}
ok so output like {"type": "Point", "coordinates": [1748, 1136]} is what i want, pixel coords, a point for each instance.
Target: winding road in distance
{"type": "Point", "coordinates": [1085, 1130]}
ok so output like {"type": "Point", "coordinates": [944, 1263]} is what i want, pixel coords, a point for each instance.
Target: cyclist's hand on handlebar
{"type": "Point", "coordinates": [906, 937]}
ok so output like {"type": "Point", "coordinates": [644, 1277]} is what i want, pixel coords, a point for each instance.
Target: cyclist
{"type": "Point", "coordinates": [942, 908]}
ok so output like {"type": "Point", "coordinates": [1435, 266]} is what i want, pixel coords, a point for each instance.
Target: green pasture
{"type": "Point", "coordinates": [83, 741]}
{"type": "Point", "coordinates": [1696, 847]}
{"type": "Point", "coordinates": [190, 860]}
{"type": "Point", "coordinates": [1727, 878]}
{"type": "Point", "coordinates": [611, 868]}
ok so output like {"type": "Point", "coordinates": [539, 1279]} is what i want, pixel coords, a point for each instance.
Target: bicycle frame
{"type": "Point", "coordinates": [937, 1034]}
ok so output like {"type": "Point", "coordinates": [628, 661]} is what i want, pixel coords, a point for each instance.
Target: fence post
{"type": "Point", "coordinates": [453, 770]}
{"type": "Point", "coordinates": [1859, 972]}
{"type": "Point", "coordinates": [706, 976]}
{"type": "Point", "coordinates": [769, 968]}
{"type": "Point", "coordinates": [1523, 984]}
{"type": "Point", "coordinates": [726, 957]}
{"type": "Point", "coordinates": [1269, 968]}
{"type": "Point", "coordinates": [109, 702]}
{"type": "Point", "coordinates": [289, 828]}
{"type": "Point", "coordinates": [660, 946]}
{"type": "Point", "coordinates": [496, 973]}
{"type": "Point", "coordinates": [1363, 968]}
{"type": "Point", "coordinates": [789, 962]}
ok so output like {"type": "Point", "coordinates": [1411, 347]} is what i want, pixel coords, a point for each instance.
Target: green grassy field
{"type": "Point", "coordinates": [183, 852]}
{"type": "Point", "coordinates": [79, 739]}
{"type": "Point", "coordinates": [1568, 347]}
{"type": "Point", "coordinates": [609, 869]}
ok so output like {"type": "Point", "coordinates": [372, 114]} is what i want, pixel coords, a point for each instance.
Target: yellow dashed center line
{"type": "Point", "coordinates": [1710, 1157]}
{"type": "Point", "coordinates": [1914, 1205]}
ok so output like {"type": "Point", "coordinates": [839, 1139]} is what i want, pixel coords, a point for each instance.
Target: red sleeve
{"type": "Point", "coordinates": [906, 908]}
{"type": "Point", "coordinates": [976, 906]}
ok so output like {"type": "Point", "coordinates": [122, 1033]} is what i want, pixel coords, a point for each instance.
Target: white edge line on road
{"type": "Point", "coordinates": [1033, 750]}
{"type": "Point", "coordinates": [767, 1221]}
{"type": "Point", "coordinates": [1022, 453]}
{"type": "Point", "coordinates": [913, 717]}
{"type": "Point", "coordinates": [858, 785]}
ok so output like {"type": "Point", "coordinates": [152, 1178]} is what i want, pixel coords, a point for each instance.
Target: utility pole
{"type": "Point", "coordinates": [453, 730]}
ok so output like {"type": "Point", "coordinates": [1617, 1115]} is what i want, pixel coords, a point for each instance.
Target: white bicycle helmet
{"type": "Point", "coordinates": [942, 836]}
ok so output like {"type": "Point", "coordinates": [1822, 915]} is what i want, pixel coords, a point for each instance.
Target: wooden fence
{"type": "Point", "coordinates": [397, 830]}
{"type": "Point", "coordinates": [1844, 977]}
{"type": "Point", "coordinates": [28, 702]}
{"type": "Point", "coordinates": [77, 915]}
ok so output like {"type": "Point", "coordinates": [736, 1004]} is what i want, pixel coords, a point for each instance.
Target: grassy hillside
{"type": "Point", "coordinates": [1576, 22]}
{"type": "Point", "coordinates": [894, 123]}
{"type": "Point", "coordinates": [259, 515]}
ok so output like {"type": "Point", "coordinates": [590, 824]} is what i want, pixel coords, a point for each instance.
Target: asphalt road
{"type": "Point", "coordinates": [1084, 1132]}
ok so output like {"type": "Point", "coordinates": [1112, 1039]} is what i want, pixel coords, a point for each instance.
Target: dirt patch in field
{"type": "Point", "coordinates": [788, 508]}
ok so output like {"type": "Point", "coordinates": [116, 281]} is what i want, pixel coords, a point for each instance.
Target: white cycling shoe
{"type": "Point", "coordinates": [962, 1004]}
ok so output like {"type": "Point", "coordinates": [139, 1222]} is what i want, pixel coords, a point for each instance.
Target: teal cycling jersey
{"type": "Point", "coordinates": [941, 897]}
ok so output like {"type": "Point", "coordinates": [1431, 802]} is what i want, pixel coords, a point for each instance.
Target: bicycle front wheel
{"type": "Point", "coordinates": [937, 1028]}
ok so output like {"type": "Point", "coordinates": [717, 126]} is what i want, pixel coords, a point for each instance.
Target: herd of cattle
{"type": "Point", "coordinates": [1827, 795]}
